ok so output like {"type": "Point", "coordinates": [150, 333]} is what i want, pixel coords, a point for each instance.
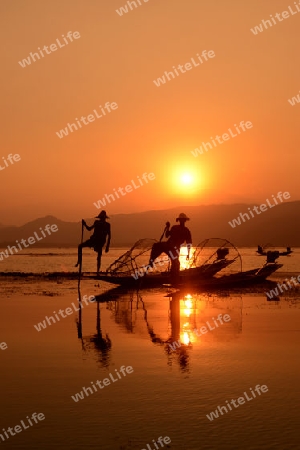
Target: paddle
{"type": "Point", "coordinates": [79, 321]}
{"type": "Point", "coordinates": [80, 263]}
{"type": "Point", "coordinates": [166, 228]}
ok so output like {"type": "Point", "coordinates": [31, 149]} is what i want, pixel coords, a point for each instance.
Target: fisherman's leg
{"type": "Point", "coordinates": [175, 266]}
{"type": "Point", "coordinates": [99, 261]}
{"type": "Point", "coordinates": [173, 253]}
{"type": "Point", "coordinates": [80, 247]}
{"type": "Point", "coordinates": [79, 258]}
{"type": "Point", "coordinates": [157, 249]}
{"type": "Point", "coordinates": [175, 269]}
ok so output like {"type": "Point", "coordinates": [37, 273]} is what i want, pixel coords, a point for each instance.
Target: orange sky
{"type": "Point", "coordinates": [154, 128]}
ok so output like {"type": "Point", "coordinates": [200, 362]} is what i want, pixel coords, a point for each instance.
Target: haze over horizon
{"type": "Point", "coordinates": [176, 209]}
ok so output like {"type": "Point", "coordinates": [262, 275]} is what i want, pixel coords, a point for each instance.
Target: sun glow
{"type": "Point", "coordinates": [186, 338]}
{"type": "Point", "coordinates": [186, 179]}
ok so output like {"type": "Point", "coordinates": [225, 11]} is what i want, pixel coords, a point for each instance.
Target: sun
{"type": "Point", "coordinates": [186, 179]}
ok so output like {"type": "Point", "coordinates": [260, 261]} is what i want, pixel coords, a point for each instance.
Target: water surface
{"type": "Point", "coordinates": [169, 392]}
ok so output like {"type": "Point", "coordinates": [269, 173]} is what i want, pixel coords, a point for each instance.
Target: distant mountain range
{"type": "Point", "coordinates": [279, 226]}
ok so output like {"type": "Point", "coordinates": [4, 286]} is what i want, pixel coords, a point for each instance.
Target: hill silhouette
{"type": "Point", "coordinates": [278, 225]}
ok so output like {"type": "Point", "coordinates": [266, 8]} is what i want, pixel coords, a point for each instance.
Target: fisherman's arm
{"type": "Point", "coordinates": [168, 231]}
{"type": "Point", "coordinates": [189, 243]}
{"type": "Point", "coordinates": [87, 227]}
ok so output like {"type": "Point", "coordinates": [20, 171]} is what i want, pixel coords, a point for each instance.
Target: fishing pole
{"type": "Point", "coordinates": [165, 229]}
{"type": "Point", "coordinates": [80, 262]}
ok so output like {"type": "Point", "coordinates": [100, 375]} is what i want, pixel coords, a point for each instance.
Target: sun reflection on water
{"type": "Point", "coordinates": [187, 317]}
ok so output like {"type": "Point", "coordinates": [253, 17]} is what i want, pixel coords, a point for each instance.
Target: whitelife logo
{"type": "Point", "coordinates": [105, 381]}
{"type": "Point", "coordinates": [147, 268]}
{"type": "Point", "coordinates": [53, 47]}
{"type": "Point", "coordinates": [226, 136]}
{"type": "Point", "coordinates": [263, 207]}
{"type": "Point", "coordinates": [31, 240]}
{"type": "Point", "coordinates": [110, 197]}
{"type": "Point", "coordinates": [159, 440]}
{"type": "Point", "coordinates": [294, 100]}
{"type": "Point", "coordinates": [215, 414]}
{"type": "Point", "coordinates": [3, 346]}
{"type": "Point", "coordinates": [36, 417]}
{"type": "Point", "coordinates": [275, 292]}
{"type": "Point", "coordinates": [284, 15]}
{"type": "Point", "coordinates": [11, 158]}
{"type": "Point", "coordinates": [187, 66]}
{"type": "Point", "coordinates": [203, 330]}
{"type": "Point", "coordinates": [90, 118]}
{"type": "Point", "coordinates": [68, 311]}
{"type": "Point", "coordinates": [124, 9]}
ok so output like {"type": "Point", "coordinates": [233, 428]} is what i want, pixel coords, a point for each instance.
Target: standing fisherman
{"type": "Point", "coordinates": [98, 239]}
{"type": "Point", "coordinates": [177, 235]}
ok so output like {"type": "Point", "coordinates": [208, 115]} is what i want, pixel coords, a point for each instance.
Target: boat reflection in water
{"type": "Point", "coordinates": [175, 325]}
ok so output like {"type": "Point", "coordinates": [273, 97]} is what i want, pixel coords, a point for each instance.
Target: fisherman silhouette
{"type": "Point", "coordinates": [98, 239]}
{"type": "Point", "coordinates": [261, 251]}
{"type": "Point", "coordinates": [177, 235]}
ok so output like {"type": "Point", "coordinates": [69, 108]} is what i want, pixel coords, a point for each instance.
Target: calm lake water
{"type": "Point", "coordinates": [64, 259]}
{"type": "Point", "coordinates": [169, 393]}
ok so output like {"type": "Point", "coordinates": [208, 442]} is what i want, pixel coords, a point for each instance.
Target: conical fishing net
{"type": "Point", "coordinates": [133, 259]}
{"type": "Point", "coordinates": [216, 251]}
{"type": "Point", "coordinates": [211, 255]}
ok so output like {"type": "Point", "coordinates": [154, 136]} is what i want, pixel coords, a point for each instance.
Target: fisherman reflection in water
{"type": "Point", "coordinates": [98, 239]}
{"type": "Point", "coordinates": [181, 354]}
{"type": "Point", "coordinates": [178, 235]}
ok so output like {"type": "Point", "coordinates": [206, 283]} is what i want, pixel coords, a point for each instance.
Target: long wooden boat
{"type": "Point", "coordinates": [191, 277]}
{"type": "Point", "coordinates": [209, 258]}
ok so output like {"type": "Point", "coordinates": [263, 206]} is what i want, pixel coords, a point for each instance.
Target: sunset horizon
{"type": "Point", "coordinates": [76, 217]}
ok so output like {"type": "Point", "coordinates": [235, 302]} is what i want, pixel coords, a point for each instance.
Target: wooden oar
{"type": "Point", "coordinates": [80, 264]}
{"type": "Point", "coordinates": [166, 227]}
{"type": "Point", "coordinates": [79, 321]}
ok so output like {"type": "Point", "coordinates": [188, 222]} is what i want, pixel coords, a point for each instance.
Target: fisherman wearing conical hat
{"type": "Point", "coordinates": [178, 235]}
{"type": "Point", "coordinates": [98, 239]}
